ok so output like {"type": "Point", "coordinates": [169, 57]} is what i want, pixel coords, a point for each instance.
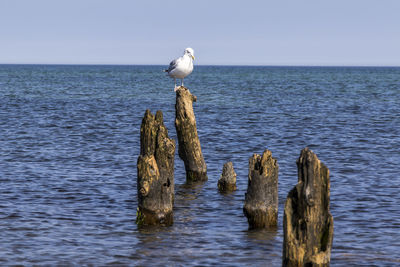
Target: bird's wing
{"type": "Point", "coordinates": [173, 64]}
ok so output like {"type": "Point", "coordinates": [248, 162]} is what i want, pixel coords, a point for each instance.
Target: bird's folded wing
{"type": "Point", "coordinates": [173, 64]}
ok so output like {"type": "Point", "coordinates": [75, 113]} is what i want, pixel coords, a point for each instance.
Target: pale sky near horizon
{"type": "Point", "coordinates": [222, 32]}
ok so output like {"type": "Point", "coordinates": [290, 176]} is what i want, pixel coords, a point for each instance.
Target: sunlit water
{"type": "Point", "coordinates": [69, 141]}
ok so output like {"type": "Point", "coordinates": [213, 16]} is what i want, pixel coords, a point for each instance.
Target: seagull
{"type": "Point", "coordinates": [182, 66]}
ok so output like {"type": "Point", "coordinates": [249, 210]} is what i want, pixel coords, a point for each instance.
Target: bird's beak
{"type": "Point", "coordinates": [193, 57]}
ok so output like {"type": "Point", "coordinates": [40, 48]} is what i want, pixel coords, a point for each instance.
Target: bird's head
{"type": "Point", "coordinates": [189, 51]}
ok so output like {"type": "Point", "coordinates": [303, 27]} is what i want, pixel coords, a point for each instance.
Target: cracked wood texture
{"type": "Point", "coordinates": [227, 180]}
{"type": "Point", "coordinates": [188, 139]}
{"type": "Point", "coordinates": [155, 172]}
{"type": "Point", "coordinates": [307, 221]}
{"type": "Point", "coordinates": [261, 198]}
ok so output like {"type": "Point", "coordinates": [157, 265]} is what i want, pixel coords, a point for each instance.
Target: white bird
{"type": "Point", "coordinates": [182, 66]}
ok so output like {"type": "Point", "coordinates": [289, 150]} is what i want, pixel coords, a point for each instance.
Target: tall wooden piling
{"type": "Point", "coordinates": [188, 139]}
{"type": "Point", "coordinates": [307, 221]}
{"type": "Point", "coordinates": [261, 199]}
{"type": "Point", "coordinates": [155, 172]}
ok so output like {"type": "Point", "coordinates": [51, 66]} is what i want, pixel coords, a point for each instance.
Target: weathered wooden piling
{"type": "Point", "coordinates": [261, 199]}
{"type": "Point", "coordinates": [227, 180]}
{"type": "Point", "coordinates": [155, 172]}
{"type": "Point", "coordinates": [307, 221]}
{"type": "Point", "coordinates": [188, 139]}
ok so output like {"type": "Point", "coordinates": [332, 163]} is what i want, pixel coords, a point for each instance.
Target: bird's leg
{"type": "Point", "coordinates": [182, 82]}
{"type": "Point", "coordinates": [175, 88]}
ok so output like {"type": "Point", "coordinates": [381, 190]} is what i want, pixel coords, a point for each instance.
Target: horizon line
{"type": "Point", "coordinates": [206, 65]}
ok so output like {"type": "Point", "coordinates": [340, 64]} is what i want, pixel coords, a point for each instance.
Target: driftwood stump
{"type": "Point", "coordinates": [307, 222]}
{"type": "Point", "coordinates": [261, 199]}
{"type": "Point", "coordinates": [227, 180]}
{"type": "Point", "coordinates": [188, 139]}
{"type": "Point", "coordinates": [155, 172]}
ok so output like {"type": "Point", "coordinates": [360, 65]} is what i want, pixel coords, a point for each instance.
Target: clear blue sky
{"type": "Point", "coordinates": [269, 32]}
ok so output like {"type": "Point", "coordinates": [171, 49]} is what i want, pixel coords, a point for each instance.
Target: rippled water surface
{"type": "Point", "coordinates": [69, 141]}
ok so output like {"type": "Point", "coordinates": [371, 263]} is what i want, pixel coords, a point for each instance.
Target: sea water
{"type": "Point", "coordinates": [70, 138]}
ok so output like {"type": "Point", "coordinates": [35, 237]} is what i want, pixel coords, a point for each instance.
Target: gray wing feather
{"type": "Point", "coordinates": [172, 65]}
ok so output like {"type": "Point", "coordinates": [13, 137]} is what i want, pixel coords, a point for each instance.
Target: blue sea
{"type": "Point", "coordinates": [70, 139]}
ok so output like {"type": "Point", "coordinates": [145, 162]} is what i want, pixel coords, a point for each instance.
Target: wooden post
{"type": "Point", "coordinates": [227, 180]}
{"type": "Point", "coordinates": [155, 172]}
{"type": "Point", "coordinates": [307, 222]}
{"type": "Point", "coordinates": [261, 199]}
{"type": "Point", "coordinates": [189, 143]}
